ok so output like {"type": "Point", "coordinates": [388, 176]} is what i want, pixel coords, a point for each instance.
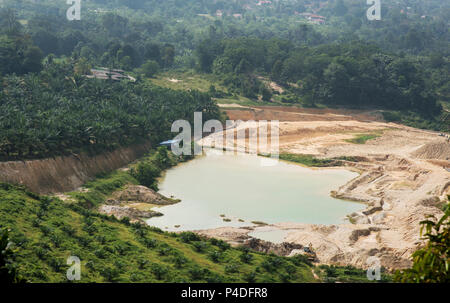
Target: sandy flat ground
{"type": "Point", "coordinates": [402, 179]}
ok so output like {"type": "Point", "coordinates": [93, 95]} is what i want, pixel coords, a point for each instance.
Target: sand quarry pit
{"type": "Point", "coordinates": [403, 178]}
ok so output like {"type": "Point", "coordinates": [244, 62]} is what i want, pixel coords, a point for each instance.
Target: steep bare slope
{"type": "Point", "coordinates": [62, 174]}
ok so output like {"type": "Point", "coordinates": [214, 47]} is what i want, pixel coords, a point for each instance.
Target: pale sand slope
{"type": "Point", "coordinates": [400, 185]}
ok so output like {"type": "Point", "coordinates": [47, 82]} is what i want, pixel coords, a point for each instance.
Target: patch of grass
{"type": "Point", "coordinates": [348, 158]}
{"type": "Point", "coordinates": [362, 138]}
{"type": "Point", "coordinates": [307, 160]}
{"type": "Point", "coordinates": [311, 161]}
{"type": "Point", "coordinates": [187, 80]}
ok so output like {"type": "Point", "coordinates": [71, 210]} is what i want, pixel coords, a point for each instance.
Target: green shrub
{"type": "Point", "coordinates": [111, 274]}
{"type": "Point", "coordinates": [245, 257]}
{"type": "Point", "coordinates": [179, 261]}
{"type": "Point", "coordinates": [197, 273]}
{"type": "Point", "coordinates": [391, 116]}
{"type": "Point", "coordinates": [150, 243]}
{"type": "Point", "coordinates": [300, 260]}
{"type": "Point", "coordinates": [215, 278]}
{"type": "Point", "coordinates": [188, 237]}
{"type": "Point", "coordinates": [232, 268]}
{"type": "Point", "coordinates": [146, 173]}
{"type": "Point", "coordinates": [8, 273]}
{"type": "Point", "coordinates": [159, 271]}
{"type": "Point", "coordinates": [215, 256]}
{"type": "Point", "coordinates": [200, 246]}
{"type": "Point", "coordinates": [431, 263]}
{"type": "Point", "coordinates": [250, 277]}
{"type": "Point", "coordinates": [307, 160]}
{"type": "Point", "coordinates": [150, 68]}
{"type": "Point", "coordinates": [220, 243]}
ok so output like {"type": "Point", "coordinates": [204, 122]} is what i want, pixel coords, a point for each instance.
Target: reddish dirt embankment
{"type": "Point", "coordinates": [62, 174]}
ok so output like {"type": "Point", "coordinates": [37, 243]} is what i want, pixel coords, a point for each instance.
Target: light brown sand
{"type": "Point", "coordinates": [400, 181]}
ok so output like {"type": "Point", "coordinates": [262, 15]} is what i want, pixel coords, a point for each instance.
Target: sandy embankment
{"type": "Point", "coordinates": [401, 180]}
{"type": "Point", "coordinates": [136, 203]}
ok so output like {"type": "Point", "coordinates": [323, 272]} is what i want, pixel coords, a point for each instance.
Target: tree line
{"type": "Point", "coordinates": [126, 34]}
{"type": "Point", "coordinates": [356, 74]}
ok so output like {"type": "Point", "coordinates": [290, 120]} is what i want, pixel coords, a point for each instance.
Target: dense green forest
{"type": "Point", "coordinates": [410, 25]}
{"type": "Point", "coordinates": [356, 75]}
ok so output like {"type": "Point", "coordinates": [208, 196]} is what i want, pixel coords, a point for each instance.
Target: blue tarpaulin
{"type": "Point", "coordinates": [169, 142]}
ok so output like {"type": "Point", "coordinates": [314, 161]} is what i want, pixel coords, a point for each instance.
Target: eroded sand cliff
{"type": "Point", "coordinates": [66, 173]}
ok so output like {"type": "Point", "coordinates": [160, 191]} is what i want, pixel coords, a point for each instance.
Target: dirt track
{"type": "Point", "coordinates": [402, 179]}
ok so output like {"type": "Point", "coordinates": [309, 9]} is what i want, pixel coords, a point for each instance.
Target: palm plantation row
{"type": "Point", "coordinates": [56, 112]}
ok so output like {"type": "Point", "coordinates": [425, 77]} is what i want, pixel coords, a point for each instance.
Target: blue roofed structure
{"type": "Point", "coordinates": [169, 143]}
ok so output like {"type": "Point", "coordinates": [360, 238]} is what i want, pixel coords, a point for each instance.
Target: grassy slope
{"type": "Point", "coordinates": [47, 231]}
{"type": "Point", "coordinates": [311, 161]}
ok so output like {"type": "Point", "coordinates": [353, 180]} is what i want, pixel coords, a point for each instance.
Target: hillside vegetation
{"type": "Point", "coordinates": [59, 112]}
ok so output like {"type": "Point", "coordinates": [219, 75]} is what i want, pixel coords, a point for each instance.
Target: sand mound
{"type": "Point", "coordinates": [436, 150]}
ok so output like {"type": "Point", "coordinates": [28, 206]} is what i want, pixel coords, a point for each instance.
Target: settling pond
{"type": "Point", "coordinates": [237, 188]}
